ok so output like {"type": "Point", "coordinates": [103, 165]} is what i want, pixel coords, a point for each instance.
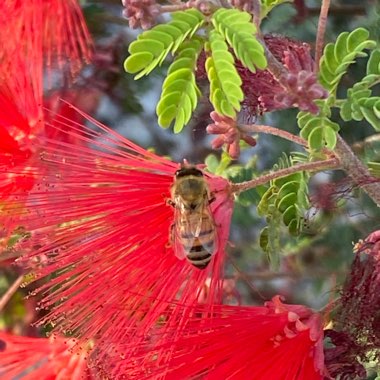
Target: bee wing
{"type": "Point", "coordinates": [179, 249]}
{"type": "Point", "coordinates": [207, 236]}
{"type": "Point", "coordinates": [178, 246]}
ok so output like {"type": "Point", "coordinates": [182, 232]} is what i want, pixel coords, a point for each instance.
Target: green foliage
{"type": "Point", "coordinates": [371, 111]}
{"type": "Point", "coordinates": [218, 166]}
{"type": "Point", "coordinates": [225, 83]}
{"type": "Point", "coordinates": [239, 174]}
{"type": "Point", "coordinates": [236, 174]}
{"type": "Point", "coordinates": [359, 103]}
{"type": "Point", "coordinates": [152, 46]}
{"type": "Point", "coordinates": [283, 203]}
{"type": "Point", "coordinates": [18, 235]}
{"type": "Point", "coordinates": [318, 130]}
{"type": "Point", "coordinates": [238, 30]}
{"type": "Point", "coordinates": [180, 92]}
{"type": "Point", "coordinates": [374, 168]}
{"type": "Point", "coordinates": [339, 55]}
{"type": "Point", "coordinates": [268, 5]}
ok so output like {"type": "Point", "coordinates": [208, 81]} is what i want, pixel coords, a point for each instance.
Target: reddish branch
{"type": "Point", "coordinates": [321, 32]}
{"type": "Point", "coordinates": [9, 293]}
{"type": "Point", "coordinates": [357, 170]}
{"type": "Point", "coordinates": [253, 128]}
{"type": "Point", "coordinates": [331, 163]}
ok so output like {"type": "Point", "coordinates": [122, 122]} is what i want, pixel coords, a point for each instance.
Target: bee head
{"type": "Point", "coordinates": [188, 171]}
{"type": "Point", "coordinates": [190, 186]}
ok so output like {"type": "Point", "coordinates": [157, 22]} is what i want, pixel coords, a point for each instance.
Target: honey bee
{"type": "Point", "coordinates": [193, 233]}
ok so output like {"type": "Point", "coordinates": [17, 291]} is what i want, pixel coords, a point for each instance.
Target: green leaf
{"type": "Point", "coordinates": [238, 174]}
{"type": "Point", "coordinates": [266, 200]}
{"type": "Point", "coordinates": [225, 82]}
{"type": "Point", "coordinates": [151, 47]}
{"type": "Point", "coordinates": [264, 239]}
{"type": "Point", "coordinates": [268, 5]}
{"type": "Point", "coordinates": [286, 201]}
{"type": "Point", "coordinates": [282, 204]}
{"type": "Point", "coordinates": [138, 62]}
{"type": "Point", "coordinates": [318, 130]}
{"type": "Point", "coordinates": [373, 65]}
{"type": "Point", "coordinates": [329, 137]}
{"type": "Point", "coordinates": [238, 30]}
{"type": "Point", "coordinates": [337, 57]}
{"type": "Point", "coordinates": [371, 110]}
{"type": "Point", "coordinates": [374, 168]}
{"type": "Point", "coordinates": [180, 93]}
{"type": "Point", "coordinates": [321, 137]}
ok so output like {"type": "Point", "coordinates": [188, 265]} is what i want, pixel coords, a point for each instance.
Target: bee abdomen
{"type": "Point", "coordinates": [199, 257]}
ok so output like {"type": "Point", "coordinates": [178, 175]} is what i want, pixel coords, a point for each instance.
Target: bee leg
{"type": "Point", "coordinates": [170, 202]}
{"type": "Point", "coordinates": [212, 198]}
{"type": "Point", "coordinates": [171, 236]}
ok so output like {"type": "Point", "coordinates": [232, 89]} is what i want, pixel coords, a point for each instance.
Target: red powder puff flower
{"type": "Point", "coordinates": [264, 93]}
{"type": "Point", "coordinates": [276, 341]}
{"type": "Point", "coordinates": [54, 27]}
{"type": "Point", "coordinates": [102, 221]}
{"type": "Point", "coordinates": [84, 98]}
{"type": "Point", "coordinates": [20, 120]}
{"type": "Point", "coordinates": [356, 337]}
{"type": "Point", "coordinates": [40, 358]}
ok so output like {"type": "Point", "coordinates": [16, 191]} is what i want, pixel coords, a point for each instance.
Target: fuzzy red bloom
{"type": "Point", "coordinates": [20, 113]}
{"type": "Point", "coordinates": [84, 98]}
{"type": "Point", "coordinates": [54, 27]}
{"type": "Point", "coordinates": [264, 93]}
{"type": "Point", "coordinates": [276, 341]}
{"type": "Point", "coordinates": [32, 31]}
{"type": "Point", "coordinates": [102, 221]}
{"type": "Point", "coordinates": [40, 358]}
{"type": "Point", "coordinates": [356, 337]}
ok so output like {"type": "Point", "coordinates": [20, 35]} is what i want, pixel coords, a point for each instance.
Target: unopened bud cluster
{"type": "Point", "coordinates": [228, 134]}
{"type": "Point", "coordinates": [301, 90]}
{"type": "Point", "coordinates": [140, 13]}
{"type": "Point", "coordinates": [244, 5]}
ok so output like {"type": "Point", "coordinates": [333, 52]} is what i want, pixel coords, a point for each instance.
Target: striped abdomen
{"type": "Point", "coordinates": [198, 239]}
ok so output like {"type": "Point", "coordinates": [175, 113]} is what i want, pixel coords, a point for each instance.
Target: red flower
{"type": "Point", "coordinates": [85, 98]}
{"type": "Point", "coordinates": [32, 30]}
{"type": "Point", "coordinates": [20, 114]}
{"type": "Point", "coordinates": [102, 221]}
{"type": "Point", "coordinates": [263, 92]}
{"type": "Point", "coordinates": [356, 337]}
{"type": "Point", "coordinates": [54, 27]}
{"type": "Point", "coordinates": [39, 358]}
{"type": "Point", "coordinates": [277, 341]}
